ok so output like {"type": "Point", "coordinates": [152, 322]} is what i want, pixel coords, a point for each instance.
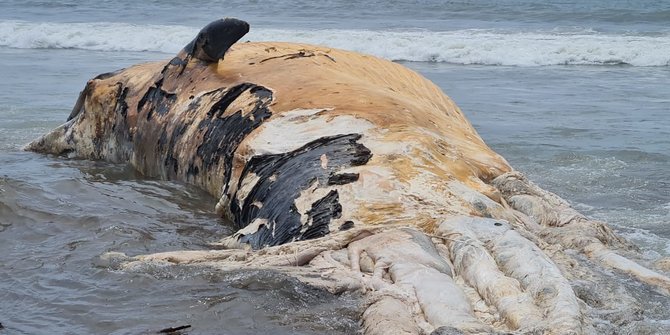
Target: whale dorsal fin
{"type": "Point", "coordinates": [216, 38]}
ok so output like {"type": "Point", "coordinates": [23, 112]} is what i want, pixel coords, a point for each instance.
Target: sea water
{"type": "Point", "coordinates": [575, 94]}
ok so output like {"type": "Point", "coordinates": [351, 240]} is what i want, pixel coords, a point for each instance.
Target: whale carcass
{"type": "Point", "coordinates": [353, 173]}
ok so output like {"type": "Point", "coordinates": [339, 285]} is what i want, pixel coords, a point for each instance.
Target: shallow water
{"type": "Point", "coordinates": [57, 216]}
{"type": "Point", "coordinates": [596, 135]}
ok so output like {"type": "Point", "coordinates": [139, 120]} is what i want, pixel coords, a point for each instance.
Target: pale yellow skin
{"type": "Point", "coordinates": [419, 139]}
{"type": "Point", "coordinates": [449, 234]}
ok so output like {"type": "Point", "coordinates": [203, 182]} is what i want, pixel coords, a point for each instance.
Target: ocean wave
{"type": "Point", "coordinates": [654, 246]}
{"type": "Point", "coordinates": [469, 46]}
{"type": "Point", "coordinates": [94, 36]}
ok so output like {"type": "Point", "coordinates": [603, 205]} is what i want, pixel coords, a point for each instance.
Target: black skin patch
{"type": "Point", "coordinates": [79, 105]}
{"type": "Point", "coordinates": [170, 161]}
{"type": "Point", "coordinates": [156, 100]}
{"type": "Point", "coordinates": [192, 170]}
{"type": "Point", "coordinates": [282, 177]}
{"type": "Point", "coordinates": [346, 225]}
{"type": "Point", "coordinates": [223, 134]}
{"type": "Point", "coordinates": [231, 95]}
{"type": "Point", "coordinates": [222, 131]}
{"type": "Point", "coordinates": [121, 104]}
{"type": "Point", "coordinates": [322, 212]}
{"type": "Point", "coordinates": [342, 178]}
{"type": "Point", "coordinates": [120, 129]}
{"type": "Point", "coordinates": [119, 126]}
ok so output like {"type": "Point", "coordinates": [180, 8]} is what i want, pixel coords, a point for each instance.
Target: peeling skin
{"type": "Point", "coordinates": [294, 172]}
{"type": "Point", "coordinates": [353, 173]}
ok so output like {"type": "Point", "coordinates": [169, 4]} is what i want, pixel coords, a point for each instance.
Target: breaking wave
{"type": "Point", "coordinates": [469, 46]}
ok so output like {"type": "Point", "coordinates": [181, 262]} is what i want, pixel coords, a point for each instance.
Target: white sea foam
{"type": "Point", "coordinates": [470, 46]}
{"type": "Point", "coordinates": [94, 36]}
{"type": "Point", "coordinates": [652, 246]}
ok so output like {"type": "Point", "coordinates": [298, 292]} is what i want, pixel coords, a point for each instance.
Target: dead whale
{"type": "Point", "coordinates": [351, 172]}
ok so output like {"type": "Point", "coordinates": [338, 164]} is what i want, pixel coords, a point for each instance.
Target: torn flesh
{"type": "Point", "coordinates": [547, 270]}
